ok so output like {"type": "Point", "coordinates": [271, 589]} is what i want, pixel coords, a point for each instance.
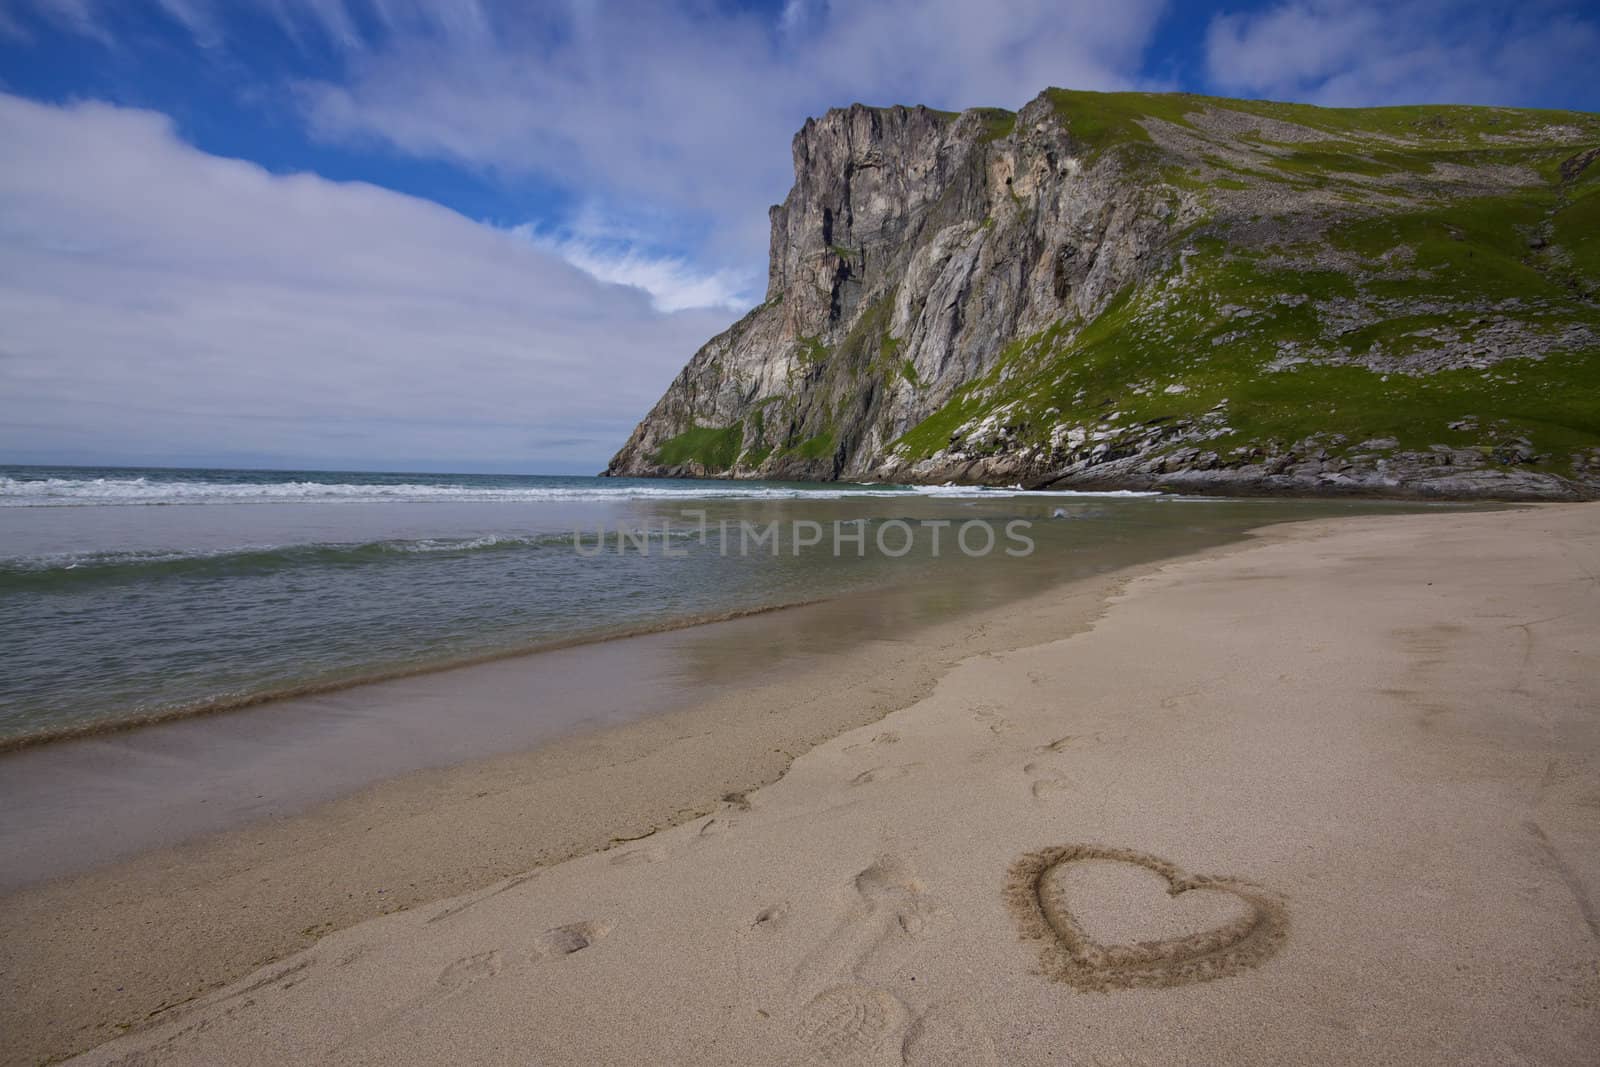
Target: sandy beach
{"type": "Point", "coordinates": [1330, 796]}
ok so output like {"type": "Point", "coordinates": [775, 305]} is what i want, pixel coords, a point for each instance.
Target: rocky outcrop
{"type": "Point", "coordinates": [1139, 290]}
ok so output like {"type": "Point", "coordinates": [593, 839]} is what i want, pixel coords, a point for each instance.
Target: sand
{"type": "Point", "coordinates": [1332, 797]}
{"type": "Point", "coordinates": [182, 921]}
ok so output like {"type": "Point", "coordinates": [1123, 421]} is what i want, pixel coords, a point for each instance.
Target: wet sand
{"type": "Point", "coordinates": [69, 806]}
{"type": "Point", "coordinates": [184, 918]}
{"type": "Point", "coordinates": [1325, 798]}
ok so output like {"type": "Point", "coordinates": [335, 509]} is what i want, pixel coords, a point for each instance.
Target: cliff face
{"type": "Point", "coordinates": [1133, 290]}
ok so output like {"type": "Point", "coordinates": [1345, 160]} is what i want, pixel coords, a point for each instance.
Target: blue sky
{"type": "Point", "coordinates": [466, 234]}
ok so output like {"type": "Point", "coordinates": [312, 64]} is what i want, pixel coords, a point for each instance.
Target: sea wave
{"type": "Point", "coordinates": [89, 492]}
{"type": "Point", "coordinates": [75, 567]}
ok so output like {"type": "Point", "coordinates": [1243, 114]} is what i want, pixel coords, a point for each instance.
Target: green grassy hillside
{"type": "Point", "coordinates": [1330, 300]}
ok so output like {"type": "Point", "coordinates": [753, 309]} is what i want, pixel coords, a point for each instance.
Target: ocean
{"type": "Point", "coordinates": [131, 595]}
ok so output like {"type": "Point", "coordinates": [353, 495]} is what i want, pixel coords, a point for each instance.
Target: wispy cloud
{"type": "Point", "coordinates": [672, 282]}
{"type": "Point", "coordinates": [83, 17]}
{"type": "Point", "coordinates": [154, 294]}
{"type": "Point", "coordinates": [1351, 52]}
{"type": "Point", "coordinates": [682, 108]}
{"type": "Point", "coordinates": [196, 17]}
{"type": "Point", "coordinates": [157, 298]}
{"type": "Point", "coordinates": [690, 109]}
{"type": "Point", "coordinates": [161, 294]}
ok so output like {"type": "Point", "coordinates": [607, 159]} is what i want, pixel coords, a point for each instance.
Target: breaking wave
{"type": "Point", "coordinates": [149, 490]}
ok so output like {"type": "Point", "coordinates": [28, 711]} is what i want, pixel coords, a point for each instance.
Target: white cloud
{"type": "Point", "coordinates": [672, 283]}
{"type": "Point", "coordinates": [154, 295]}
{"type": "Point", "coordinates": [161, 302]}
{"type": "Point", "coordinates": [77, 16]}
{"type": "Point", "coordinates": [684, 108]}
{"type": "Point", "coordinates": [676, 111]}
{"type": "Point", "coordinates": [1352, 52]}
{"type": "Point", "coordinates": [689, 110]}
{"type": "Point", "coordinates": [613, 247]}
{"type": "Point", "coordinates": [194, 16]}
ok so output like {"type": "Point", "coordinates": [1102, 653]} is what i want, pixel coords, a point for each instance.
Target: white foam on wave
{"type": "Point", "coordinates": [68, 561]}
{"type": "Point", "coordinates": [68, 492]}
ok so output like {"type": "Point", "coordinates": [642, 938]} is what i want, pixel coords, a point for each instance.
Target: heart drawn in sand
{"type": "Point", "coordinates": [1102, 927]}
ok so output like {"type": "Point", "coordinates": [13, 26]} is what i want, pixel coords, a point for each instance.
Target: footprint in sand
{"type": "Point", "coordinates": [453, 981]}
{"type": "Point", "coordinates": [573, 937]}
{"type": "Point", "coordinates": [1112, 918]}
{"type": "Point", "coordinates": [470, 969]}
{"type": "Point", "coordinates": [949, 1035]}
{"type": "Point", "coordinates": [719, 824]}
{"type": "Point", "coordinates": [1045, 788]}
{"type": "Point", "coordinates": [1044, 784]}
{"type": "Point", "coordinates": [1045, 780]}
{"type": "Point", "coordinates": [888, 916]}
{"type": "Point", "coordinates": [851, 1023]}
{"type": "Point", "coordinates": [889, 892]}
{"type": "Point", "coordinates": [996, 722]}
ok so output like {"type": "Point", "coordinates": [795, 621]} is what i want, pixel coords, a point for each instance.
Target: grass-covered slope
{"type": "Point", "coordinates": [1353, 299]}
{"type": "Point", "coordinates": [1187, 292]}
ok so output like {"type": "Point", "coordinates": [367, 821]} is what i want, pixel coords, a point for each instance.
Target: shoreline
{"type": "Point", "coordinates": [296, 691]}
{"type": "Point", "coordinates": [239, 896]}
{"type": "Point", "coordinates": [1353, 794]}
{"type": "Point", "coordinates": [79, 715]}
{"type": "Point", "coordinates": [565, 798]}
{"type": "Point", "coordinates": [69, 806]}
{"type": "Point", "coordinates": [121, 722]}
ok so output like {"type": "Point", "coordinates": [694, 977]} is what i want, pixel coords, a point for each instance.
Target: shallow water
{"type": "Point", "coordinates": [133, 595]}
{"type": "Point", "coordinates": [160, 630]}
{"type": "Point", "coordinates": [130, 595]}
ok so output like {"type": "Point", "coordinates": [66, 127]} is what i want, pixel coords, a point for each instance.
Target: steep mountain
{"type": "Point", "coordinates": [1137, 290]}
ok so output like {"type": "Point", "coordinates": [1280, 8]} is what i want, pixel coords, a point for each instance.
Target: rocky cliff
{"type": "Point", "coordinates": [1143, 290]}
